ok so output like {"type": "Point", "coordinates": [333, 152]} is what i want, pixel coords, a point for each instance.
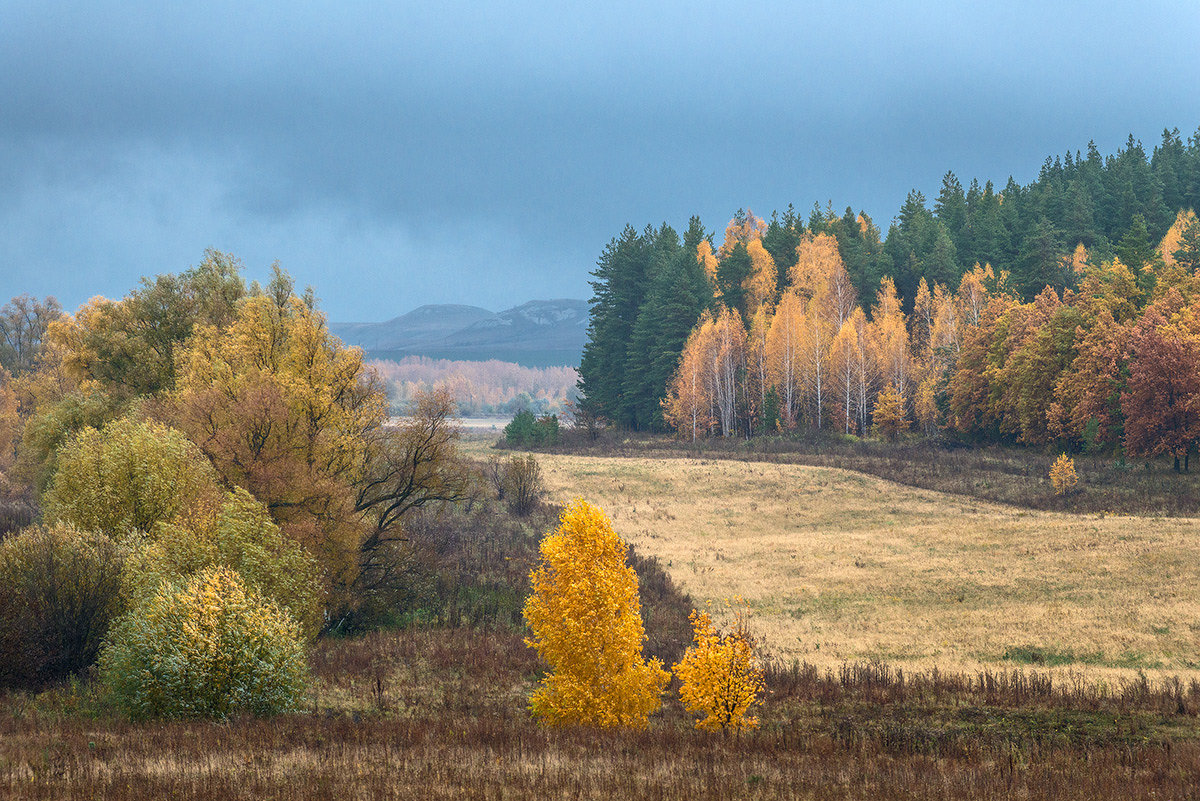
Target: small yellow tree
{"type": "Point", "coordinates": [721, 677]}
{"type": "Point", "coordinates": [1062, 475]}
{"type": "Point", "coordinates": [889, 414]}
{"type": "Point", "coordinates": [586, 622]}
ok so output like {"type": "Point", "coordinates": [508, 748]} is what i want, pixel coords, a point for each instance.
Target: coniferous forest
{"type": "Point", "coordinates": [1063, 311]}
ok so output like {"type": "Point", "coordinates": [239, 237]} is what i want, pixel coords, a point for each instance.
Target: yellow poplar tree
{"type": "Point", "coordinates": [891, 340]}
{"type": "Point", "coordinates": [783, 353]}
{"type": "Point", "coordinates": [742, 230]}
{"type": "Point", "coordinates": [1173, 239]}
{"type": "Point", "coordinates": [1062, 475]}
{"type": "Point", "coordinates": [889, 414]}
{"type": "Point", "coordinates": [586, 623]}
{"type": "Point", "coordinates": [973, 293]}
{"type": "Point", "coordinates": [720, 676]}
{"type": "Point", "coordinates": [757, 365]}
{"type": "Point", "coordinates": [817, 260]}
{"type": "Point", "coordinates": [843, 365]}
{"type": "Point", "coordinates": [688, 405]}
{"type": "Point", "coordinates": [708, 260]}
{"type": "Point", "coordinates": [760, 284]}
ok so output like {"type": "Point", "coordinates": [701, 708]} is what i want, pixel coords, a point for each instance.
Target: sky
{"type": "Point", "coordinates": [394, 154]}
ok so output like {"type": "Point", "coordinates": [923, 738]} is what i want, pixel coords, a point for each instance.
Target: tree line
{"type": "Point", "coordinates": [482, 388]}
{"type": "Point", "coordinates": [974, 312]}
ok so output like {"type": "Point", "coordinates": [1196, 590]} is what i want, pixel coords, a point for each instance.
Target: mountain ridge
{"type": "Point", "coordinates": [538, 333]}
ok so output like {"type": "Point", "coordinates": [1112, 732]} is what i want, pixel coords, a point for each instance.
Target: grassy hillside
{"type": "Point", "coordinates": [837, 565]}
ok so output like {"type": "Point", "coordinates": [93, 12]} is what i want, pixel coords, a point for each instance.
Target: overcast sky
{"type": "Point", "coordinates": [396, 154]}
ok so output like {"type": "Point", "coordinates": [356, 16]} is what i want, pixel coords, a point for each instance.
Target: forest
{"type": "Point", "coordinates": [1051, 313]}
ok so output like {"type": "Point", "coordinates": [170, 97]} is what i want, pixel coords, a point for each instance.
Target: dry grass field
{"type": "Point", "coordinates": [838, 566]}
{"type": "Point", "coordinates": [441, 714]}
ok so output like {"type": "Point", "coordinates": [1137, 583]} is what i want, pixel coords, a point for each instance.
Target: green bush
{"type": "Point", "coordinates": [210, 649]}
{"type": "Point", "coordinates": [60, 589]}
{"type": "Point", "coordinates": [127, 477]}
{"type": "Point", "coordinates": [240, 535]}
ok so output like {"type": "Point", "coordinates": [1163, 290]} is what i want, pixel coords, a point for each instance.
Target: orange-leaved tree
{"type": "Point", "coordinates": [586, 623]}
{"type": "Point", "coordinates": [721, 676]}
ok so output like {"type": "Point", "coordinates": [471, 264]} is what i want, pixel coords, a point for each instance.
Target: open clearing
{"type": "Point", "coordinates": [836, 565]}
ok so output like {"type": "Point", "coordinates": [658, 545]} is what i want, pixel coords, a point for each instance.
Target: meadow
{"type": "Point", "coordinates": [889, 613]}
{"type": "Point", "coordinates": [840, 566]}
{"type": "Point", "coordinates": [431, 714]}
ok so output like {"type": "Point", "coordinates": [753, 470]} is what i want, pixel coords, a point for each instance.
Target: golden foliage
{"type": "Point", "coordinates": [128, 476]}
{"type": "Point", "coordinates": [238, 534]}
{"type": "Point", "coordinates": [1079, 259]}
{"type": "Point", "coordinates": [973, 292]}
{"type": "Point", "coordinates": [889, 417]}
{"type": "Point", "coordinates": [283, 409]}
{"type": "Point", "coordinates": [843, 370]}
{"type": "Point", "coordinates": [783, 354]}
{"type": "Point", "coordinates": [1173, 239]}
{"type": "Point", "coordinates": [741, 230]}
{"type": "Point", "coordinates": [706, 259]}
{"type": "Point", "coordinates": [817, 261]}
{"type": "Point", "coordinates": [760, 283]}
{"type": "Point", "coordinates": [1062, 475]}
{"type": "Point", "coordinates": [925, 405]}
{"type": "Point", "coordinates": [758, 369]}
{"type": "Point", "coordinates": [721, 678]}
{"type": "Point", "coordinates": [688, 405]}
{"type": "Point", "coordinates": [209, 649]}
{"type": "Point", "coordinates": [586, 622]}
{"type": "Point", "coordinates": [889, 338]}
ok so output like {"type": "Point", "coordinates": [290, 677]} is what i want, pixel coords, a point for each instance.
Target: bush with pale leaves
{"type": "Point", "coordinates": [207, 649]}
{"type": "Point", "coordinates": [127, 477]}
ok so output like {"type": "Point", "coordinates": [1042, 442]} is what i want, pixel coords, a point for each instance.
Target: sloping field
{"type": "Point", "coordinates": [837, 565]}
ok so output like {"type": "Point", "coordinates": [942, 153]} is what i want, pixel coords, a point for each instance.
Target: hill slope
{"type": "Point", "coordinates": [540, 333]}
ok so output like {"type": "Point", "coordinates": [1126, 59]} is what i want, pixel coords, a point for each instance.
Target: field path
{"type": "Point", "coordinates": [837, 565]}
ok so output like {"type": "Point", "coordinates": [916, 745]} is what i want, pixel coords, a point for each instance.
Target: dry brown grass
{"type": "Point", "coordinates": [441, 714]}
{"type": "Point", "coordinates": [839, 566]}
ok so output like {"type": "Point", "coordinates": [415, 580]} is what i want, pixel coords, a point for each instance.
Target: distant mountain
{"type": "Point", "coordinates": [539, 333]}
{"type": "Point", "coordinates": [421, 326]}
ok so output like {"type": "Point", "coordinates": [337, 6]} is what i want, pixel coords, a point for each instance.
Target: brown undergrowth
{"type": "Point", "coordinates": [440, 714]}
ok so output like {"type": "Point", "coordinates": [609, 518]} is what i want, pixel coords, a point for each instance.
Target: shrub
{"type": "Point", "coordinates": [525, 429]}
{"type": "Point", "coordinates": [1062, 475]}
{"type": "Point", "coordinates": [127, 477]}
{"type": "Point", "coordinates": [523, 484]}
{"type": "Point", "coordinates": [586, 623]}
{"type": "Point", "coordinates": [210, 649]}
{"type": "Point", "coordinates": [60, 588]}
{"type": "Point", "coordinates": [240, 535]}
{"type": "Point", "coordinates": [720, 676]}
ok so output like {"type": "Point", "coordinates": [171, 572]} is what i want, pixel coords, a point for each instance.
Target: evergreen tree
{"type": "Point", "coordinates": [731, 274]}
{"type": "Point", "coordinates": [617, 296]}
